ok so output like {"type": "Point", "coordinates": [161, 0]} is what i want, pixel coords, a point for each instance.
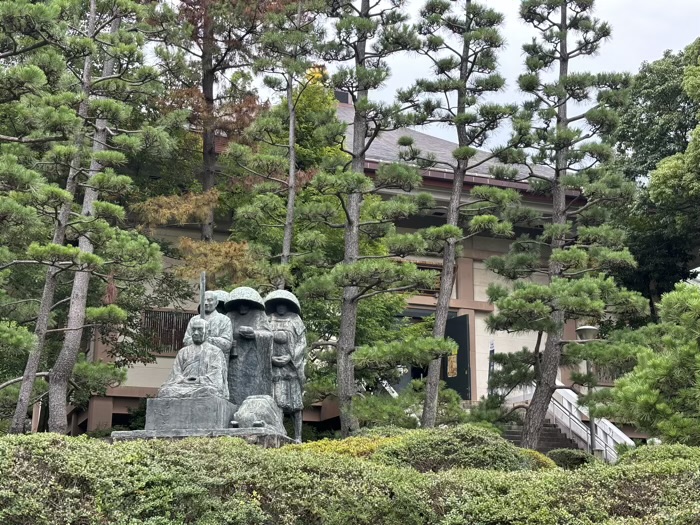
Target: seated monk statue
{"type": "Point", "coordinates": [200, 369]}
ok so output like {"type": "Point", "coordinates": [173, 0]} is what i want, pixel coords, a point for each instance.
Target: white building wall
{"type": "Point", "coordinates": [503, 341]}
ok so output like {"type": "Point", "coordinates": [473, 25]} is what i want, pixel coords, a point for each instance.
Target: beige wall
{"type": "Point", "coordinates": [150, 375]}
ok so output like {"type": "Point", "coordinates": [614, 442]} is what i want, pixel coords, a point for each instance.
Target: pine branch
{"type": "Point", "coordinates": [37, 140]}
{"type": "Point", "coordinates": [387, 290]}
{"type": "Point", "coordinates": [70, 329]}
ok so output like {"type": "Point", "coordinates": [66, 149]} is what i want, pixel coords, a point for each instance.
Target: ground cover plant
{"type": "Point", "coordinates": [47, 478]}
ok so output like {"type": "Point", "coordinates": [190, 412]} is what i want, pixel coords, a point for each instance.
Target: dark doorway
{"type": "Point", "coordinates": [456, 371]}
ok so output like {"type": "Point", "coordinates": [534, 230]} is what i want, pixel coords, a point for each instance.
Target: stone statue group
{"type": "Point", "coordinates": [247, 351]}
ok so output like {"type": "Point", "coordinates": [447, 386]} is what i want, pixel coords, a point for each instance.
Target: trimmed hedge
{"type": "Point", "coordinates": [49, 479]}
{"type": "Point", "coordinates": [463, 446]}
{"type": "Point", "coordinates": [654, 453]}
{"type": "Point", "coordinates": [571, 459]}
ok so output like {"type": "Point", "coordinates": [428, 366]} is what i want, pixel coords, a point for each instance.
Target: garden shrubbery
{"type": "Point", "coordinates": [570, 459]}
{"type": "Point", "coordinates": [48, 479]}
{"type": "Point", "coordinates": [463, 446]}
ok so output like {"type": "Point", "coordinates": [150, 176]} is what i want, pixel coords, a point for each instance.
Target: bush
{"type": "Point", "coordinates": [538, 461]}
{"type": "Point", "coordinates": [356, 447]}
{"type": "Point", "coordinates": [569, 458]}
{"type": "Point", "coordinates": [463, 446]}
{"type": "Point", "coordinates": [382, 431]}
{"type": "Point", "coordinates": [47, 479]}
{"type": "Point", "coordinates": [655, 453]}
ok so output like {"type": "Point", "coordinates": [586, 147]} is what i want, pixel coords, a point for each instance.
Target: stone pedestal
{"type": "Point", "coordinates": [207, 413]}
{"type": "Point", "coordinates": [261, 437]}
{"type": "Point", "coordinates": [261, 410]}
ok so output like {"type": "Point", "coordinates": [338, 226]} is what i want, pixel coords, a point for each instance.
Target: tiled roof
{"type": "Point", "coordinates": [385, 148]}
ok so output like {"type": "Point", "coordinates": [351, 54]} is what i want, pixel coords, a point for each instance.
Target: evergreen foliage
{"type": "Point", "coordinates": [656, 122]}
{"type": "Point", "coordinates": [51, 479]}
{"type": "Point", "coordinates": [569, 259]}
{"type": "Point", "coordinates": [657, 368]}
{"type": "Point", "coordinates": [461, 41]}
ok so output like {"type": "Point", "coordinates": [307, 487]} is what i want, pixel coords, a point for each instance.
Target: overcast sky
{"type": "Point", "coordinates": [642, 31]}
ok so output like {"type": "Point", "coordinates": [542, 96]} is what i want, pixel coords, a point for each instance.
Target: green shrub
{"type": "Point", "coordinates": [570, 458]}
{"type": "Point", "coordinates": [654, 453]}
{"type": "Point", "coordinates": [382, 431]}
{"type": "Point", "coordinates": [463, 446]}
{"type": "Point", "coordinates": [538, 461]}
{"type": "Point", "coordinates": [47, 479]}
{"type": "Point", "coordinates": [356, 447]}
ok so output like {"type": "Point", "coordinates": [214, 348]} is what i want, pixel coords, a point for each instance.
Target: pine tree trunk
{"type": "Point", "coordinates": [292, 179]}
{"type": "Point", "coordinates": [348, 310]}
{"type": "Point", "coordinates": [442, 308]}
{"type": "Point", "coordinates": [208, 120]}
{"type": "Point", "coordinates": [34, 359]}
{"type": "Point", "coordinates": [62, 369]}
{"type": "Point", "coordinates": [59, 237]}
{"type": "Point", "coordinates": [551, 357]}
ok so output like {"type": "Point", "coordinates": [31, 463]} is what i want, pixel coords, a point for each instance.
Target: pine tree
{"type": "Point", "coordinates": [364, 34]}
{"type": "Point", "coordinates": [207, 52]}
{"type": "Point", "coordinates": [108, 94]}
{"type": "Point", "coordinates": [576, 248]}
{"type": "Point", "coordinates": [655, 367]}
{"type": "Point", "coordinates": [37, 111]}
{"type": "Point", "coordinates": [289, 47]}
{"type": "Point", "coordinates": [461, 41]}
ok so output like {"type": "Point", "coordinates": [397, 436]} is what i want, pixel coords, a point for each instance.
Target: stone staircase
{"type": "Point", "coordinates": [551, 438]}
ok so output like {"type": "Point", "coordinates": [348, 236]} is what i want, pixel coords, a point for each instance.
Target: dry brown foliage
{"type": "Point", "coordinates": [226, 263]}
{"type": "Point", "coordinates": [191, 208]}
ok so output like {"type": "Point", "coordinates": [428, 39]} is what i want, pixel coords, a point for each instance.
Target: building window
{"type": "Point", "coordinates": [166, 328]}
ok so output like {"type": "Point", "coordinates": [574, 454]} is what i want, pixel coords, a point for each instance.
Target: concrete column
{"type": "Point", "coordinates": [99, 413]}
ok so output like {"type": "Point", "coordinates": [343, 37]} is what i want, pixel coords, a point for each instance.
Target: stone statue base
{"type": "Point", "coordinates": [260, 412]}
{"type": "Point", "coordinates": [259, 420]}
{"type": "Point", "coordinates": [208, 413]}
{"type": "Point", "coordinates": [262, 437]}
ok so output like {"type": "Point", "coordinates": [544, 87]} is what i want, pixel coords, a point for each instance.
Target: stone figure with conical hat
{"type": "Point", "coordinates": [200, 369]}
{"type": "Point", "coordinates": [250, 364]}
{"type": "Point", "coordinates": [219, 330]}
{"type": "Point", "coordinates": [288, 357]}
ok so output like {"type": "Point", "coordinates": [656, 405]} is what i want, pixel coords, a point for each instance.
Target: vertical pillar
{"type": "Point", "coordinates": [100, 413]}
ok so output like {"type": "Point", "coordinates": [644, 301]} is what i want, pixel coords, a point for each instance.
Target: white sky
{"type": "Point", "coordinates": [642, 31]}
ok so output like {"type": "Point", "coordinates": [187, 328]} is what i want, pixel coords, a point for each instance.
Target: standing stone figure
{"type": "Point", "coordinates": [288, 360]}
{"type": "Point", "coordinates": [222, 298]}
{"type": "Point", "coordinates": [220, 332]}
{"type": "Point", "coordinates": [250, 365]}
{"type": "Point", "coordinates": [199, 369]}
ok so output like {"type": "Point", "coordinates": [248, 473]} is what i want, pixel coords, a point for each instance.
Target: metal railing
{"type": "Point", "coordinates": [565, 413]}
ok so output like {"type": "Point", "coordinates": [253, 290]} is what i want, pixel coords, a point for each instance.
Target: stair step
{"type": "Point", "coordinates": [551, 438]}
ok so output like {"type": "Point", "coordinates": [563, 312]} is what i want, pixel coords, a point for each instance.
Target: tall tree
{"type": "Point", "coordinates": [207, 52]}
{"type": "Point", "coordinates": [364, 34]}
{"type": "Point", "coordinates": [656, 122]}
{"type": "Point", "coordinates": [658, 117]}
{"type": "Point", "coordinates": [38, 110]}
{"type": "Point", "coordinates": [316, 271]}
{"type": "Point", "coordinates": [461, 41]}
{"type": "Point", "coordinates": [113, 79]}
{"type": "Point", "coordinates": [576, 247]}
{"type": "Point", "coordinates": [289, 47]}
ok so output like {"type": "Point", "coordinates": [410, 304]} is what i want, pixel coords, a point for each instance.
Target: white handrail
{"type": "Point", "coordinates": [566, 414]}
